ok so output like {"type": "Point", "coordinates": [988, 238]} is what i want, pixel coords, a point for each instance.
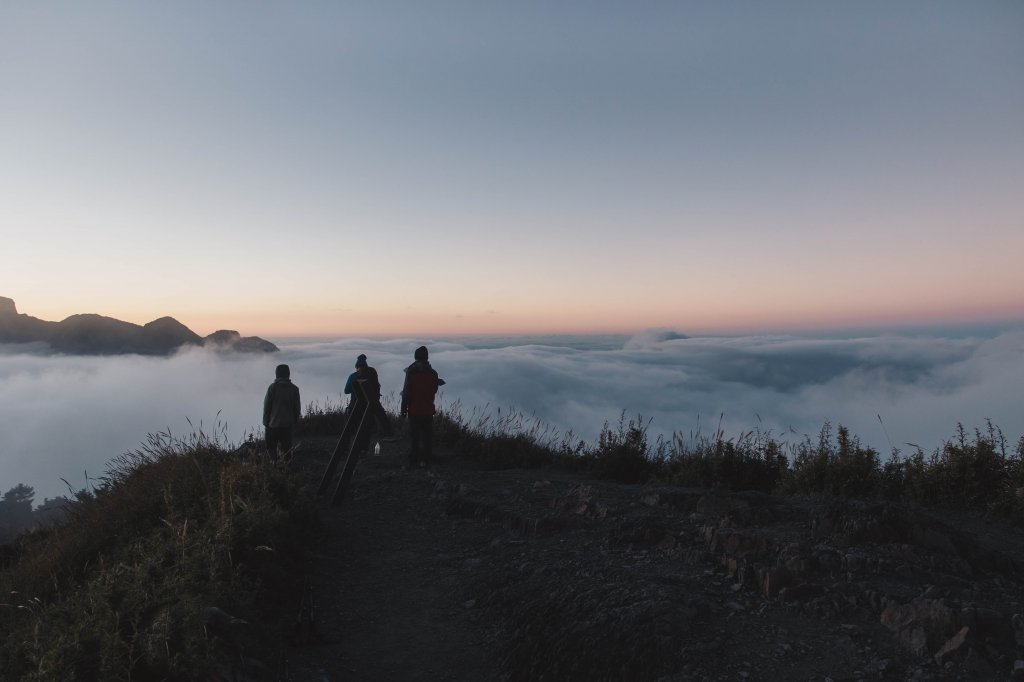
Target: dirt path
{"type": "Point", "coordinates": [461, 574]}
{"type": "Point", "coordinates": [387, 581]}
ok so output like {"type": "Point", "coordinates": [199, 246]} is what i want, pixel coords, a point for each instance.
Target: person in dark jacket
{"type": "Point", "coordinates": [367, 378]}
{"type": "Point", "coordinates": [421, 384]}
{"type": "Point", "coordinates": [370, 383]}
{"type": "Point", "coordinates": [281, 411]}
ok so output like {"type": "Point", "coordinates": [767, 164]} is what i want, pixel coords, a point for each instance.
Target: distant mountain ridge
{"type": "Point", "coordinates": [91, 334]}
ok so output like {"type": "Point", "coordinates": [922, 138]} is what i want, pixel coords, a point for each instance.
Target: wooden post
{"type": "Point", "coordinates": [349, 434]}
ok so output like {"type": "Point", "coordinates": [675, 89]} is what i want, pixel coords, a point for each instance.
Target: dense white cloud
{"type": "Point", "coordinates": [63, 415]}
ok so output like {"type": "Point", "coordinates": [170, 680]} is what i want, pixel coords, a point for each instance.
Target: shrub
{"type": "Point", "coordinates": [622, 454]}
{"type": "Point", "coordinates": [754, 461]}
{"type": "Point", "coordinates": [835, 466]}
{"type": "Point", "coordinates": [505, 439]}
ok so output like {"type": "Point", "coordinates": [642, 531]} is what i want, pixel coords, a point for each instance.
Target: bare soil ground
{"type": "Point", "coordinates": [454, 573]}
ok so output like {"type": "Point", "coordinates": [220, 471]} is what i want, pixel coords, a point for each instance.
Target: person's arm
{"type": "Point", "coordinates": [405, 395]}
{"type": "Point", "coordinates": [375, 388]}
{"type": "Point", "coordinates": [348, 383]}
{"type": "Point", "coordinates": [268, 401]}
{"type": "Point", "coordinates": [298, 406]}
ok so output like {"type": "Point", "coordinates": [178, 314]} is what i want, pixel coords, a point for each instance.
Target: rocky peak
{"type": "Point", "coordinates": [229, 339]}
{"type": "Point", "coordinates": [224, 337]}
{"type": "Point", "coordinates": [7, 307]}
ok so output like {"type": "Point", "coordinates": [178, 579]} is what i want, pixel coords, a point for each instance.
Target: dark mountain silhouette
{"type": "Point", "coordinates": [99, 335]}
{"type": "Point", "coordinates": [231, 340]}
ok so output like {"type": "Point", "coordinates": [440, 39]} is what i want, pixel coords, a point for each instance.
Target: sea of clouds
{"type": "Point", "coordinates": [65, 417]}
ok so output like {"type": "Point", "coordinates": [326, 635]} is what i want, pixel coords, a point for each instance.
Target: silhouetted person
{"type": "Point", "coordinates": [281, 411]}
{"type": "Point", "coordinates": [367, 378]}
{"type": "Point", "coordinates": [421, 384]}
{"type": "Point", "coordinates": [370, 383]}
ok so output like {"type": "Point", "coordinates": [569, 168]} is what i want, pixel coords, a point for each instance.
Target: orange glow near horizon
{"type": "Point", "coordinates": [729, 313]}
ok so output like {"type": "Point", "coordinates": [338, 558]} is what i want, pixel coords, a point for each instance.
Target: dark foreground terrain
{"type": "Point", "coordinates": [460, 574]}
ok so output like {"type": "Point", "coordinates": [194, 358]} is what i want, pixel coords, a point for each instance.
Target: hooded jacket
{"type": "Point", "coordinates": [281, 406]}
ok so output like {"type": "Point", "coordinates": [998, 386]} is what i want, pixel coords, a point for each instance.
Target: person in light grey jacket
{"type": "Point", "coordinates": [281, 411]}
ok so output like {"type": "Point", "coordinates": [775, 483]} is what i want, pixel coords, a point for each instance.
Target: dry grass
{"type": "Point", "coordinates": [121, 590]}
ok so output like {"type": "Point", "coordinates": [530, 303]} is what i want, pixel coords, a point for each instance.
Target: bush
{"type": "Point", "coordinates": [505, 440]}
{"type": "Point", "coordinates": [754, 461]}
{"type": "Point", "coordinates": [622, 454]}
{"type": "Point", "coordinates": [837, 466]}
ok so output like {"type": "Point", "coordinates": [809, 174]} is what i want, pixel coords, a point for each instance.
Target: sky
{"type": "Point", "coordinates": [404, 168]}
{"type": "Point", "coordinates": [66, 417]}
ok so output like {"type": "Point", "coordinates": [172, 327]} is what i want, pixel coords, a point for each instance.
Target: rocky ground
{"type": "Point", "coordinates": [459, 574]}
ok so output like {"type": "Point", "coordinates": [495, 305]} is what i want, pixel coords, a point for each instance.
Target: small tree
{"type": "Point", "coordinates": [16, 511]}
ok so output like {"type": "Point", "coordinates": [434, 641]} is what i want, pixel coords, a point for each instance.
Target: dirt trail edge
{"type": "Point", "coordinates": [460, 574]}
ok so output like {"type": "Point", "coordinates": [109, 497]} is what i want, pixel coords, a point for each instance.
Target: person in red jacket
{"type": "Point", "coordinates": [421, 384]}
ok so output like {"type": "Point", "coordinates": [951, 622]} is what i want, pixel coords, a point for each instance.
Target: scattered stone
{"type": "Point", "coordinates": [922, 625]}
{"type": "Point", "coordinates": [954, 646]}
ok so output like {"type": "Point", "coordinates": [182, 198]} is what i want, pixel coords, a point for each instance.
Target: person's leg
{"type": "Point", "coordinates": [285, 439]}
{"type": "Point", "coordinates": [381, 420]}
{"type": "Point", "coordinates": [427, 431]}
{"type": "Point", "coordinates": [365, 436]}
{"type": "Point", "coordinates": [364, 420]}
{"type": "Point", "coordinates": [414, 441]}
{"type": "Point", "coordinates": [421, 427]}
{"type": "Point", "coordinates": [273, 439]}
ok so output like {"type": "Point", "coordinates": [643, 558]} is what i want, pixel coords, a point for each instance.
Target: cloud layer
{"type": "Point", "coordinates": [64, 416]}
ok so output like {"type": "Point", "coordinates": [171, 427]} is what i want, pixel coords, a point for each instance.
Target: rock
{"type": "Point", "coordinates": [580, 500]}
{"type": "Point", "coordinates": [977, 667]}
{"type": "Point", "coordinates": [1018, 628]}
{"type": "Point", "coordinates": [803, 592]}
{"type": "Point", "coordinates": [954, 646]}
{"type": "Point", "coordinates": [716, 507]}
{"type": "Point", "coordinates": [774, 580]}
{"type": "Point", "coordinates": [986, 622]}
{"type": "Point", "coordinates": [877, 666]}
{"type": "Point", "coordinates": [922, 625]}
{"type": "Point", "coordinates": [7, 307]}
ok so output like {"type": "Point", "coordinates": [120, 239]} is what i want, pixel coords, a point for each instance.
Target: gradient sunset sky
{"type": "Point", "coordinates": [448, 167]}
